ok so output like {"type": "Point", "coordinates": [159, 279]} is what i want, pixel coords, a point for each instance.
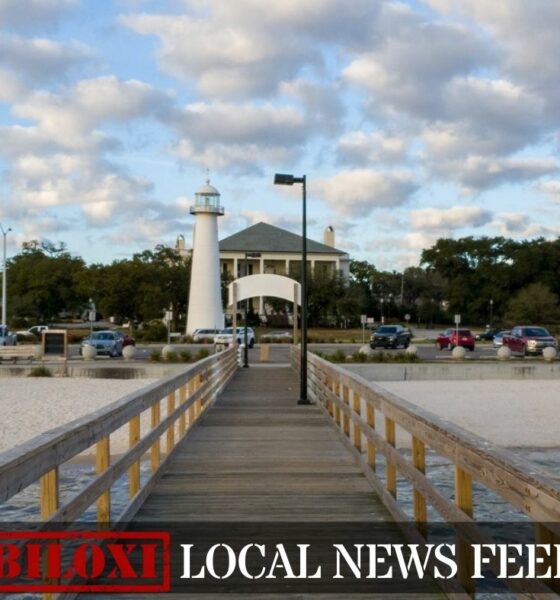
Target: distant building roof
{"type": "Point", "coordinates": [263, 237]}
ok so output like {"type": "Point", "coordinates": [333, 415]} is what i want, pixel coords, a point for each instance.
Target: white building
{"type": "Point", "coordinates": [205, 298]}
{"type": "Point", "coordinates": [275, 251]}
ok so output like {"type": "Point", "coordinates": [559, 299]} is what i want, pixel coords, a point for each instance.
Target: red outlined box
{"type": "Point", "coordinates": [102, 539]}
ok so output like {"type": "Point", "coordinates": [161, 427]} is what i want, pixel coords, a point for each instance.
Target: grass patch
{"type": "Point", "coordinates": [375, 357]}
{"type": "Point", "coordinates": [40, 372]}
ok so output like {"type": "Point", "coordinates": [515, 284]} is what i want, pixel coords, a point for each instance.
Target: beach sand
{"type": "Point", "coordinates": [508, 413]}
{"type": "Point", "coordinates": [31, 406]}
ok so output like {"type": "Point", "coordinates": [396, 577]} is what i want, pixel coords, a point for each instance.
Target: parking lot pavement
{"type": "Point", "coordinates": [280, 353]}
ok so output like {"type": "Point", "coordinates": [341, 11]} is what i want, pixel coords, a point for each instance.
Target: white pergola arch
{"type": "Point", "coordinates": [277, 286]}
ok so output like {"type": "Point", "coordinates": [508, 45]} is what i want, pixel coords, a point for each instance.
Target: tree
{"type": "Point", "coordinates": [42, 281]}
{"type": "Point", "coordinates": [534, 304]}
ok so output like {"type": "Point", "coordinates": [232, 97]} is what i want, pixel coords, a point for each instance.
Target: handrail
{"type": "Point", "coordinates": [40, 458]}
{"type": "Point", "coordinates": [353, 403]}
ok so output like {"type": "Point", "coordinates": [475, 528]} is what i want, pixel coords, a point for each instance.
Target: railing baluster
{"type": "Point", "coordinates": [345, 416]}
{"type": "Point", "coordinates": [464, 500]}
{"type": "Point", "coordinates": [183, 417]}
{"type": "Point", "coordinates": [191, 390]}
{"type": "Point", "coordinates": [134, 471]}
{"type": "Point", "coordinates": [171, 430]}
{"type": "Point", "coordinates": [420, 510]}
{"type": "Point", "coordinates": [371, 450]}
{"type": "Point", "coordinates": [391, 469]}
{"type": "Point", "coordinates": [155, 450]}
{"type": "Point", "coordinates": [357, 405]}
{"type": "Point", "coordinates": [49, 502]}
{"type": "Point", "coordinates": [102, 463]}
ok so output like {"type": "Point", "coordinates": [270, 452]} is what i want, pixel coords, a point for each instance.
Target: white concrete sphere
{"type": "Point", "coordinates": [89, 352]}
{"type": "Point", "coordinates": [38, 351]}
{"type": "Point", "coordinates": [129, 352]}
{"type": "Point", "coordinates": [166, 350]}
{"type": "Point", "coordinates": [549, 354]}
{"type": "Point", "coordinates": [413, 350]}
{"type": "Point", "coordinates": [459, 352]}
{"type": "Point", "coordinates": [365, 349]}
{"type": "Point", "coordinates": [504, 353]}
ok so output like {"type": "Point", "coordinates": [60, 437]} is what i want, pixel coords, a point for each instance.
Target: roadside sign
{"type": "Point", "coordinates": [92, 315]}
{"type": "Point", "coordinates": [363, 319]}
{"type": "Point", "coordinates": [168, 316]}
{"type": "Point", "coordinates": [457, 319]}
{"type": "Point", "coordinates": [370, 320]}
{"type": "Point", "coordinates": [407, 317]}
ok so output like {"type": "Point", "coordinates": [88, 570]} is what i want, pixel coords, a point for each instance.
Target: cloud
{"type": "Point", "coordinates": [450, 218]}
{"type": "Point", "coordinates": [358, 148]}
{"type": "Point", "coordinates": [36, 13]}
{"type": "Point", "coordinates": [414, 59]}
{"type": "Point", "coordinates": [551, 188]}
{"type": "Point", "coordinates": [357, 192]}
{"type": "Point", "coordinates": [478, 173]}
{"type": "Point", "coordinates": [520, 226]}
{"type": "Point", "coordinates": [39, 59]}
{"type": "Point", "coordinates": [237, 49]}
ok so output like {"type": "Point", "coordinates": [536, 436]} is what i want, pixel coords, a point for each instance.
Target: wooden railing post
{"type": "Point", "coordinates": [191, 387]}
{"type": "Point", "coordinates": [391, 469]}
{"type": "Point", "coordinates": [183, 417]}
{"type": "Point", "coordinates": [155, 450]}
{"type": "Point", "coordinates": [170, 439]}
{"type": "Point", "coordinates": [357, 406]}
{"type": "Point", "coordinates": [420, 510]}
{"type": "Point", "coordinates": [345, 416]}
{"type": "Point", "coordinates": [134, 471]}
{"type": "Point", "coordinates": [102, 463]}
{"type": "Point", "coordinates": [49, 503]}
{"type": "Point", "coordinates": [464, 500]}
{"type": "Point", "coordinates": [49, 500]}
{"type": "Point", "coordinates": [371, 450]}
{"type": "Point", "coordinates": [336, 390]}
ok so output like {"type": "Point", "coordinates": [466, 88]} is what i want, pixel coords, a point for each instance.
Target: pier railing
{"type": "Point", "coordinates": [185, 397]}
{"type": "Point", "coordinates": [368, 418]}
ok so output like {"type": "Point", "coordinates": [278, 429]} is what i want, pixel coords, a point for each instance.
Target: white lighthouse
{"type": "Point", "coordinates": [205, 298]}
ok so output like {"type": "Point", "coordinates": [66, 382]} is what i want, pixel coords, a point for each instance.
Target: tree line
{"type": "Point", "coordinates": [488, 280]}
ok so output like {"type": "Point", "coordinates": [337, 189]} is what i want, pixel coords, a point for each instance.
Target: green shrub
{"type": "Point", "coordinates": [155, 355]}
{"type": "Point", "coordinates": [186, 356]}
{"type": "Point", "coordinates": [172, 357]}
{"type": "Point", "coordinates": [153, 332]}
{"type": "Point", "coordinates": [40, 372]}
{"type": "Point", "coordinates": [337, 357]}
{"type": "Point", "coordinates": [202, 353]}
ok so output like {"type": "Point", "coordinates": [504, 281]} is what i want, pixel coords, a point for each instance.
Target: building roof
{"type": "Point", "coordinates": [263, 237]}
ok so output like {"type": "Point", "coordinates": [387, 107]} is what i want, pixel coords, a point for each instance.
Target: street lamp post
{"type": "Point", "coordinates": [283, 179]}
{"type": "Point", "coordinates": [245, 349]}
{"type": "Point", "coordinates": [4, 276]}
{"type": "Point", "coordinates": [491, 310]}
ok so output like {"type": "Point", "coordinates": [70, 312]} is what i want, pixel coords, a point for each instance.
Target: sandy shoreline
{"type": "Point", "coordinates": [508, 413]}
{"type": "Point", "coordinates": [34, 405]}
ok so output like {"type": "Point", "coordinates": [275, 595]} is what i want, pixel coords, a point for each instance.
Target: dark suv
{"type": "Point", "coordinates": [390, 336]}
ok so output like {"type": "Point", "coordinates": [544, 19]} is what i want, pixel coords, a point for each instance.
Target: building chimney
{"type": "Point", "coordinates": [328, 236]}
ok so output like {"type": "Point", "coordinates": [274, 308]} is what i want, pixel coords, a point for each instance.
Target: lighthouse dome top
{"type": "Point", "coordinates": [207, 190]}
{"type": "Point", "coordinates": [207, 200]}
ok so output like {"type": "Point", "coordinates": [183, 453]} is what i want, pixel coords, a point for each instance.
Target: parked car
{"type": "Point", "coordinates": [498, 340]}
{"type": "Point", "coordinates": [127, 340]}
{"type": "Point", "coordinates": [105, 342]}
{"type": "Point", "coordinates": [36, 330]}
{"type": "Point", "coordinates": [486, 336]}
{"type": "Point", "coordinates": [7, 338]}
{"type": "Point", "coordinates": [529, 339]}
{"type": "Point", "coordinates": [226, 336]}
{"type": "Point", "coordinates": [390, 336]}
{"type": "Point", "coordinates": [453, 337]}
{"type": "Point", "coordinates": [277, 336]}
{"type": "Point", "coordinates": [205, 335]}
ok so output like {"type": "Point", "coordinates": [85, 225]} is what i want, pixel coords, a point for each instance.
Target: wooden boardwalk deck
{"type": "Point", "coordinates": [258, 456]}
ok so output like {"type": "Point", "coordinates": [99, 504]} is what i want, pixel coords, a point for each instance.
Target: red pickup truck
{"type": "Point", "coordinates": [529, 339]}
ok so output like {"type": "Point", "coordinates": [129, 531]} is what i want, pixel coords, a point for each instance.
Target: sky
{"type": "Point", "coordinates": [411, 120]}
